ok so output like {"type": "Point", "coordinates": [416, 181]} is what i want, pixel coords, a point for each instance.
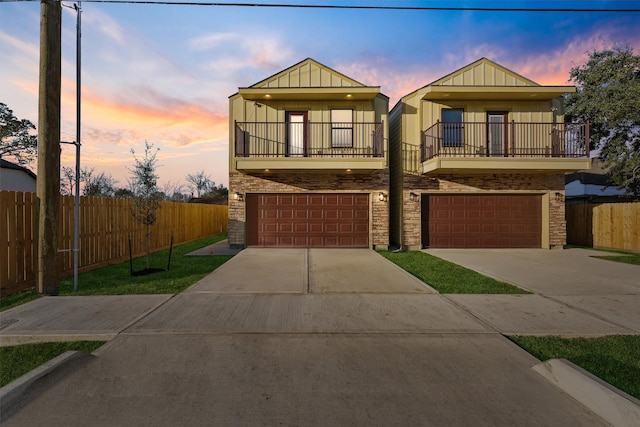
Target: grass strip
{"type": "Point", "coordinates": [17, 299]}
{"type": "Point", "coordinates": [624, 257]}
{"type": "Point", "coordinates": [117, 280]}
{"type": "Point", "coordinates": [19, 359]}
{"type": "Point", "coordinates": [447, 277]}
{"type": "Point", "coordinates": [614, 359]}
{"type": "Point", "coordinates": [629, 258]}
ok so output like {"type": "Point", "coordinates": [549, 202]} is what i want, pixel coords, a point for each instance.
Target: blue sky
{"type": "Point", "coordinates": [164, 73]}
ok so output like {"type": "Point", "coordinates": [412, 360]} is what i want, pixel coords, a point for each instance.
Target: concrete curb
{"type": "Point", "coordinates": [16, 388]}
{"type": "Point", "coordinates": [11, 340]}
{"type": "Point", "coordinates": [606, 401]}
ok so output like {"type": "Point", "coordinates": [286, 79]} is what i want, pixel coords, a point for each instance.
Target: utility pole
{"type": "Point", "coordinates": [48, 183]}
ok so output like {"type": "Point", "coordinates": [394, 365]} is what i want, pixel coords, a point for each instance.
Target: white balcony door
{"type": "Point", "coordinates": [296, 134]}
{"type": "Point", "coordinates": [496, 133]}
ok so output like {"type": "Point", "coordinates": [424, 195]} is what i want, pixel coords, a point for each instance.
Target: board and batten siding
{"type": "Point", "coordinates": [306, 75]}
{"type": "Point", "coordinates": [484, 74]}
{"type": "Point", "coordinates": [396, 171]}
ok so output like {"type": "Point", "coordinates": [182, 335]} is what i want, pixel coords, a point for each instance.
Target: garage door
{"type": "Point", "coordinates": [308, 220]}
{"type": "Point", "coordinates": [482, 221]}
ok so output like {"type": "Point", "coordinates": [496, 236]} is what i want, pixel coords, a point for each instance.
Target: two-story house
{"type": "Point", "coordinates": [478, 159]}
{"type": "Point", "coordinates": [308, 161]}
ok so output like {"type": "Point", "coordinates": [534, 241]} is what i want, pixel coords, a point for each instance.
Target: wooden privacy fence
{"type": "Point", "coordinates": [607, 225]}
{"type": "Point", "coordinates": [106, 225]}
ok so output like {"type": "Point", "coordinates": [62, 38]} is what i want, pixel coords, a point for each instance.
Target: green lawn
{"type": "Point", "coordinates": [446, 277]}
{"type": "Point", "coordinates": [117, 280]}
{"type": "Point", "coordinates": [19, 359]}
{"type": "Point", "coordinates": [626, 258]}
{"type": "Point", "coordinates": [621, 256]}
{"type": "Point", "coordinates": [17, 299]}
{"type": "Point", "coordinates": [615, 359]}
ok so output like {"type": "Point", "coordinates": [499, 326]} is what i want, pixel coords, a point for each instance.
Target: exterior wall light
{"type": "Point", "coordinates": [237, 196]}
{"type": "Point", "coordinates": [414, 197]}
{"type": "Point", "coordinates": [382, 197]}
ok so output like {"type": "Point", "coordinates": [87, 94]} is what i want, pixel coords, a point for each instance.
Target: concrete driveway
{"type": "Point", "coordinates": [550, 272]}
{"type": "Point", "coordinates": [575, 293]}
{"type": "Point", "coordinates": [297, 337]}
{"type": "Point", "coordinates": [302, 271]}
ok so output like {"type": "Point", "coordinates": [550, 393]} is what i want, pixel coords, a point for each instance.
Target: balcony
{"type": "Point", "coordinates": [300, 146]}
{"type": "Point", "coordinates": [504, 147]}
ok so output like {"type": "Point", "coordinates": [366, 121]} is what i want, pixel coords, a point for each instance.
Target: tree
{"type": "Point", "coordinates": [200, 182]}
{"type": "Point", "coordinates": [15, 137]}
{"type": "Point", "coordinates": [219, 192]}
{"type": "Point", "coordinates": [144, 185]}
{"type": "Point", "coordinates": [100, 185]}
{"type": "Point", "coordinates": [123, 193]}
{"type": "Point", "coordinates": [68, 179]}
{"type": "Point", "coordinates": [174, 192]}
{"type": "Point", "coordinates": [608, 96]}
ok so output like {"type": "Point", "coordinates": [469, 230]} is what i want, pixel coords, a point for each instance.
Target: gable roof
{"type": "Point", "coordinates": [308, 79]}
{"type": "Point", "coordinates": [484, 72]}
{"type": "Point", "coordinates": [8, 165]}
{"type": "Point", "coordinates": [307, 73]}
{"type": "Point", "coordinates": [486, 79]}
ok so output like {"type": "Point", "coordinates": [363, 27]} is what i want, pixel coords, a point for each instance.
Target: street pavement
{"type": "Point", "coordinates": [311, 337]}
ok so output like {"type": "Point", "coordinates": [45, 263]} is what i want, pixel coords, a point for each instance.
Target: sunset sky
{"type": "Point", "coordinates": [163, 73]}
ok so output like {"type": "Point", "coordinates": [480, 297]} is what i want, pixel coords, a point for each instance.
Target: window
{"type": "Point", "coordinates": [341, 128]}
{"type": "Point", "coordinates": [452, 128]}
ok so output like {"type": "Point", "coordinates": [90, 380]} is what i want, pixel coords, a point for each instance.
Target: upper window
{"type": "Point", "coordinates": [452, 127]}
{"type": "Point", "coordinates": [341, 128]}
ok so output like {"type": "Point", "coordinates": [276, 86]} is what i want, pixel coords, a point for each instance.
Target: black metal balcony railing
{"type": "Point", "coordinates": [311, 139]}
{"type": "Point", "coordinates": [505, 139]}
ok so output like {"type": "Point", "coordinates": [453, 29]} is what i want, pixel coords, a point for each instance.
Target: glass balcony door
{"type": "Point", "coordinates": [296, 134]}
{"type": "Point", "coordinates": [497, 134]}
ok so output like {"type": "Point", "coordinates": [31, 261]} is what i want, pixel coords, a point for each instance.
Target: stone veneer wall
{"type": "Point", "coordinates": [310, 182]}
{"type": "Point", "coordinates": [508, 183]}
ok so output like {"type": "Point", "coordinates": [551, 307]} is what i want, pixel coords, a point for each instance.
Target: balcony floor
{"type": "Point", "coordinates": [308, 164]}
{"type": "Point", "coordinates": [466, 165]}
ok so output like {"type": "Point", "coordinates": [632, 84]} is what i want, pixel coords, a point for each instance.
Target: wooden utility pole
{"type": "Point", "coordinates": [48, 184]}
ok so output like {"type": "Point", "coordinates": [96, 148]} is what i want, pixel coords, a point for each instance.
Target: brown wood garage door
{"type": "Point", "coordinates": [482, 221]}
{"type": "Point", "coordinates": [308, 220]}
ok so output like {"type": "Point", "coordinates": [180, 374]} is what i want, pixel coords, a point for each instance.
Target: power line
{"type": "Point", "coordinates": [361, 7]}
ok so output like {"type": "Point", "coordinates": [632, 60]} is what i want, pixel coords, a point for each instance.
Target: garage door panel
{"type": "Point", "coordinates": [361, 200]}
{"type": "Point", "coordinates": [308, 220]}
{"type": "Point", "coordinates": [361, 228]}
{"type": "Point", "coordinates": [331, 214]}
{"type": "Point", "coordinates": [482, 221]}
{"type": "Point", "coordinates": [316, 214]}
{"type": "Point", "coordinates": [270, 214]}
{"type": "Point", "coordinates": [269, 227]}
{"type": "Point", "coordinates": [285, 213]}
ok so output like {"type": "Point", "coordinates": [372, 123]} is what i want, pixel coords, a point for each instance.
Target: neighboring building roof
{"type": "Point", "coordinates": [593, 188]}
{"type": "Point", "coordinates": [588, 178]}
{"type": "Point", "coordinates": [8, 165]}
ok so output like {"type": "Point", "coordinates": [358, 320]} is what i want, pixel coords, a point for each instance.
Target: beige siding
{"type": "Point", "coordinates": [307, 74]}
{"type": "Point", "coordinates": [484, 73]}
{"type": "Point", "coordinates": [395, 175]}
{"type": "Point", "coordinates": [476, 111]}
{"type": "Point", "coordinates": [318, 111]}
